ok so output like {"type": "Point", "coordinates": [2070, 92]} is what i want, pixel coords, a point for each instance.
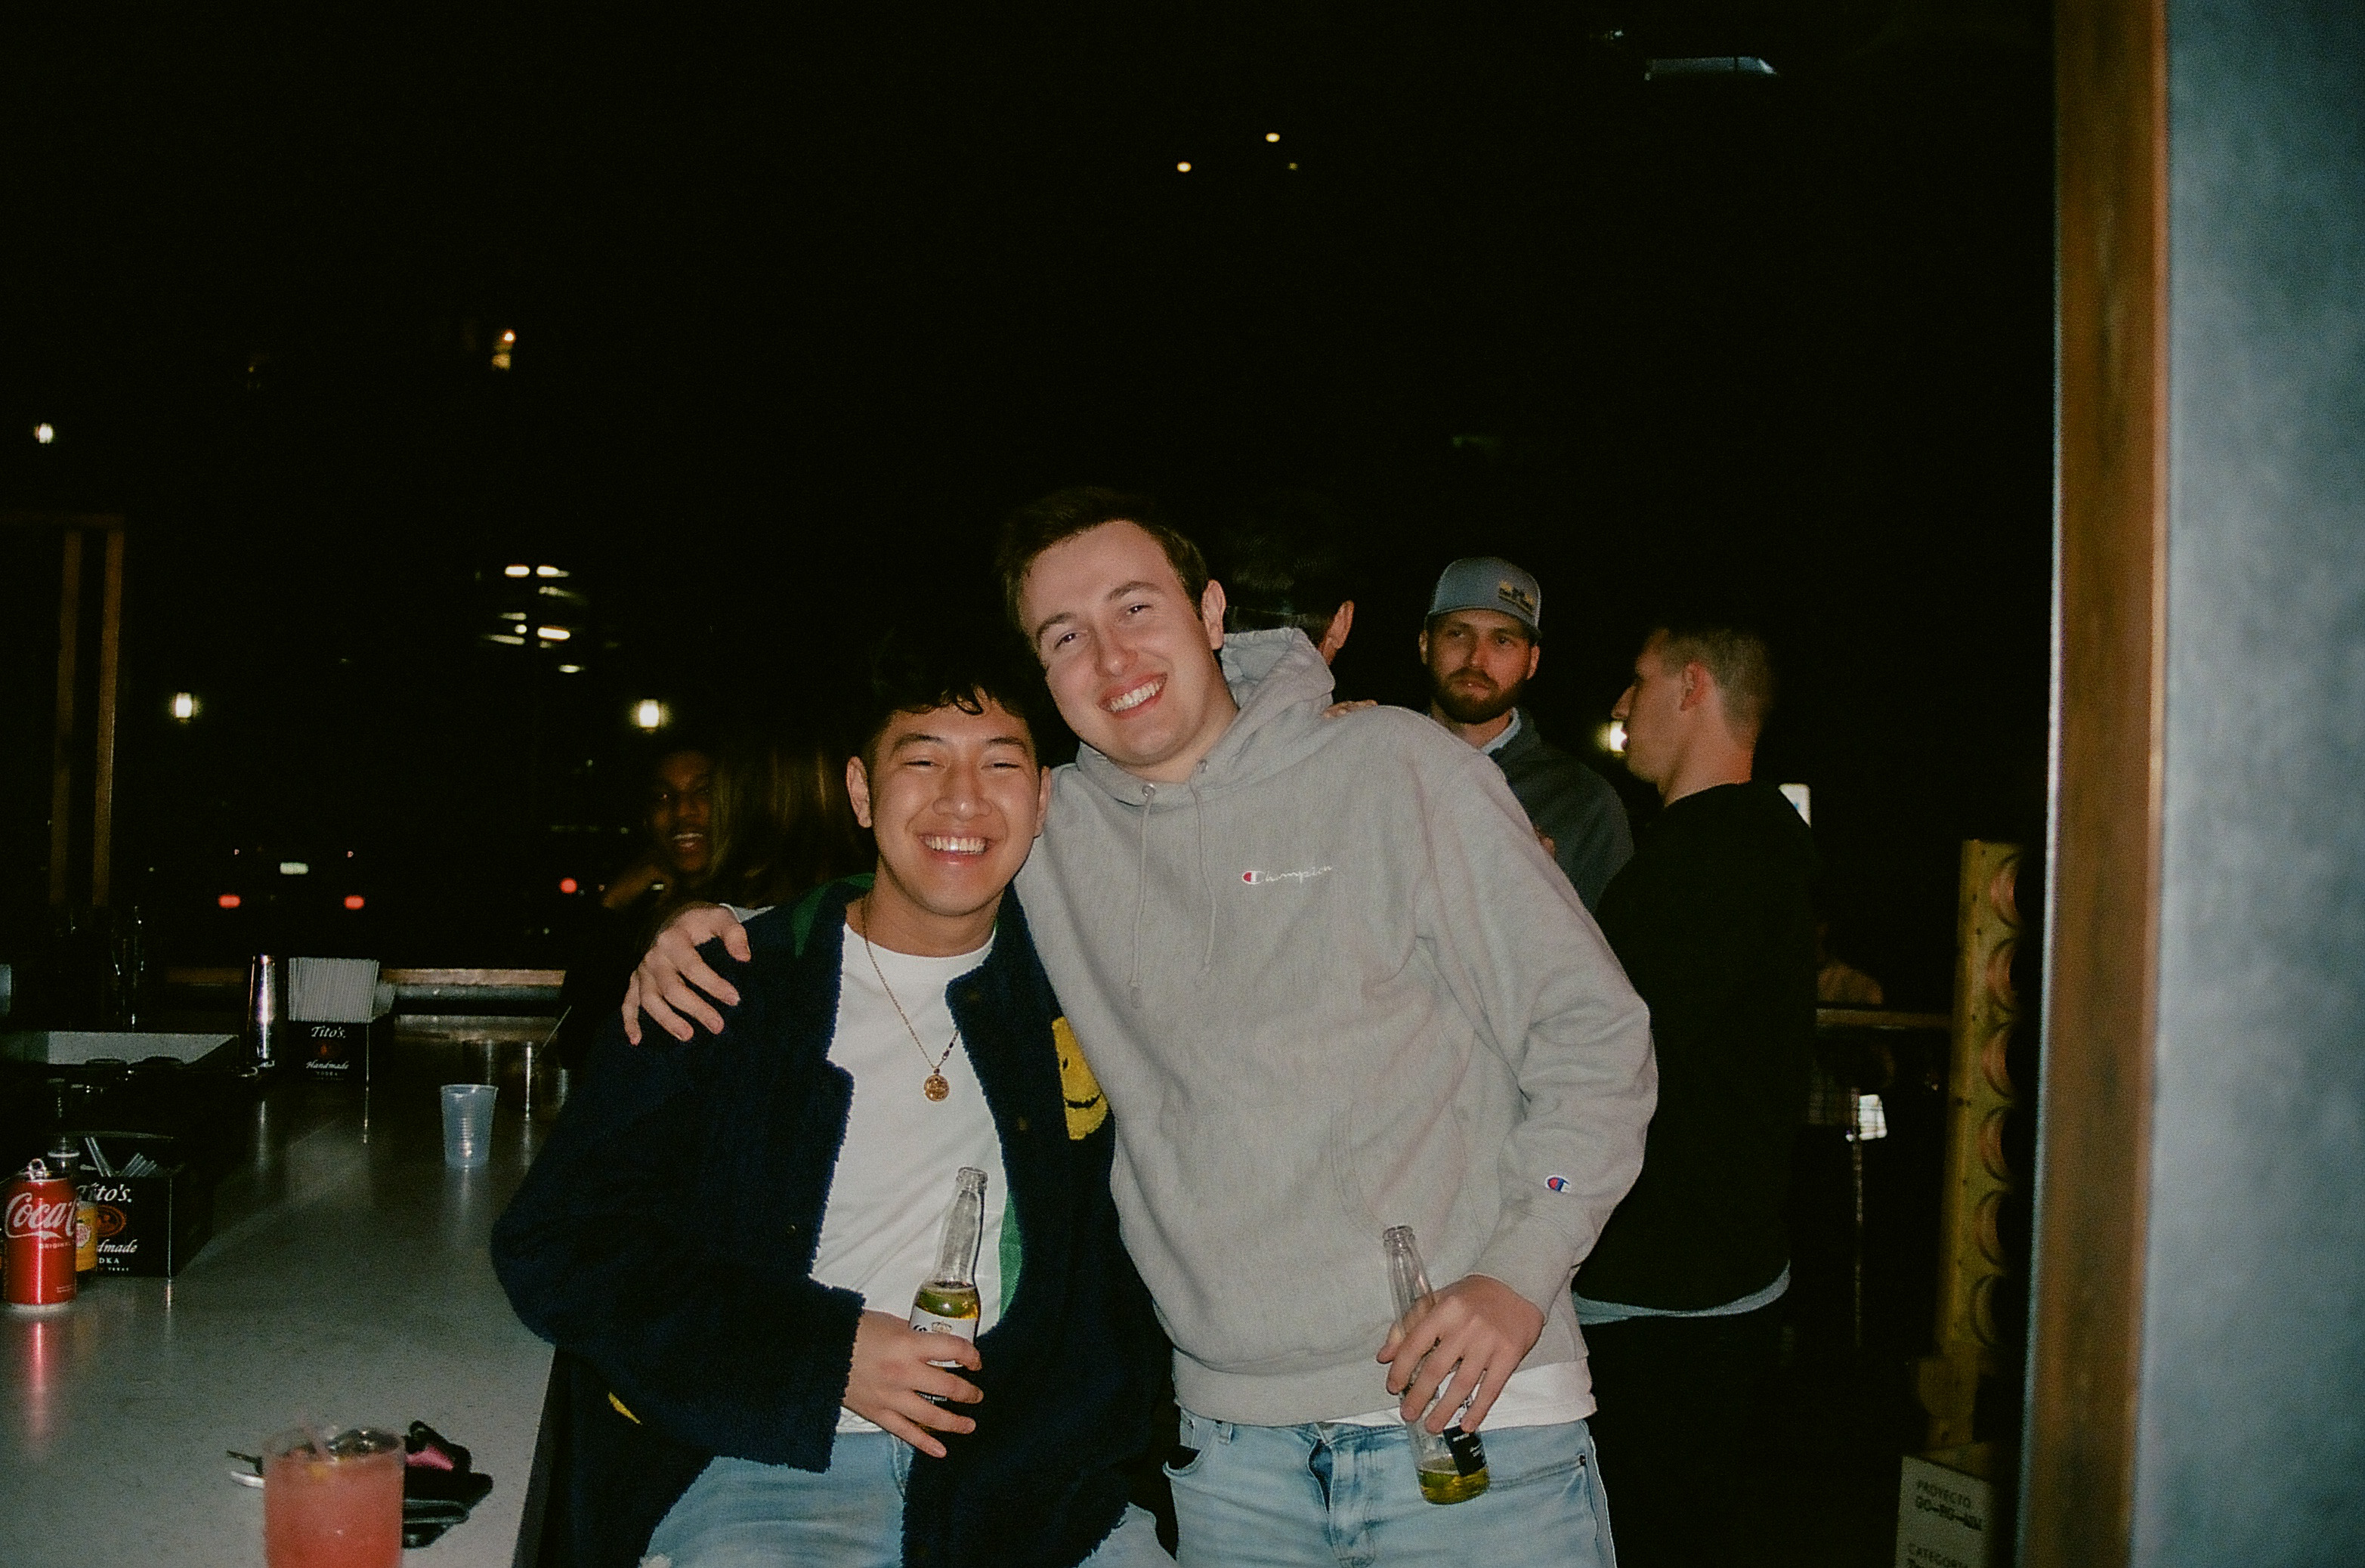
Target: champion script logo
{"type": "Point", "coordinates": [1259, 878]}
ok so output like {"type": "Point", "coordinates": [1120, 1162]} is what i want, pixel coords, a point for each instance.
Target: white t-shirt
{"type": "Point", "coordinates": [1548, 1395]}
{"type": "Point", "coordinates": [895, 1170]}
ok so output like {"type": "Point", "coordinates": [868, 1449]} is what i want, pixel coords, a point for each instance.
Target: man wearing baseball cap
{"type": "Point", "coordinates": [1482, 642]}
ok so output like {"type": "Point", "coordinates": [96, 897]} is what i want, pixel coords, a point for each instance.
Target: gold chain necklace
{"type": "Point", "coordinates": [933, 1086]}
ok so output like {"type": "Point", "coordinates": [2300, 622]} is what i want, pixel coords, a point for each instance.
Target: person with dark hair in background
{"type": "Point", "coordinates": [1482, 643]}
{"type": "Point", "coordinates": [727, 1236]}
{"type": "Point", "coordinates": [1714, 921]}
{"type": "Point", "coordinates": [679, 816]}
{"type": "Point", "coordinates": [1287, 564]}
{"type": "Point", "coordinates": [782, 821]}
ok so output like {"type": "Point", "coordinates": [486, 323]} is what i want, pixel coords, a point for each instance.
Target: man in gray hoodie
{"type": "Point", "coordinates": [1331, 984]}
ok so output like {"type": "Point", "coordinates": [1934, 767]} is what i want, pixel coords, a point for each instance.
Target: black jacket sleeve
{"type": "Point", "coordinates": [682, 1277]}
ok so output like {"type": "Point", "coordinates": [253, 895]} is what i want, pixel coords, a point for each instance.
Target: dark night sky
{"type": "Point", "coordinates": [802, 304]}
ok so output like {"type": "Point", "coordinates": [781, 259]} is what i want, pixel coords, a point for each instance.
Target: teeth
{"type": "Point", "coordinates": [1134, 699]}
{"type": "Point", "coordinates": [955, 845]}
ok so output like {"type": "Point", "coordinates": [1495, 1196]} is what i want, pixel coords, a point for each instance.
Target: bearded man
{"type": "Point", "coordinates": [1482, 643]}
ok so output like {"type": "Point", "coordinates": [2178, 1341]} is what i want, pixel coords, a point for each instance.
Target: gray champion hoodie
{"type": "Point", "coordinates": [1331, 984]}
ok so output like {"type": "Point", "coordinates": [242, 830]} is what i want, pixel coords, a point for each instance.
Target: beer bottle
{"type": "Point", "coordinates": [947, 1302]}
{"type": "Point", "coordinates": [1452, 1463]}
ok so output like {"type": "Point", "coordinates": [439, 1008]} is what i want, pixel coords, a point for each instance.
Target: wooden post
{"type": "Point", "coordinates": [110, 666]}
{"type": "Point", "coordinates": [2086, 1317]}
{"type": "Point", "coordinates": [61, 747]}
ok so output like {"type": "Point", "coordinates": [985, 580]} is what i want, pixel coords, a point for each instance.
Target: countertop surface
{"type": "Point", "coordinates": [346, 1281]}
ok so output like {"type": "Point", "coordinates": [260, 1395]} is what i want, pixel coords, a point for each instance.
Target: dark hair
{"type": "Point", "coordinates": [782, 821]}
{"type": "Point", "coordinates": [957, 663]}
{"type": "Point", "coordinates": [1733, 653]}
{"type": "Point", "coordinates": [1061, 516]}
{"type": "Point", "coordinates": [1286, 563]}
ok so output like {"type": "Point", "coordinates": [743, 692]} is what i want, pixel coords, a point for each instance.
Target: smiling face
{"type": "Point", "coordinates": [1131, 660]}
{"type": "Point", "coordinates": [955, 800]}
{"type": "Point", "coordinates": [1479, 661]}
{"type": "Point", "coordinates": [680, 812]}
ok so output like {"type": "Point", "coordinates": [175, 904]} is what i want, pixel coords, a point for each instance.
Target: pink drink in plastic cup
{"type": "Point", "coordinates": [342, 1509]}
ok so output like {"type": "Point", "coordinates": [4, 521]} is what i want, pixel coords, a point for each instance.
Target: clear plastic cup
{"type": "Point", "coordinates": [342, 1508]}
{"type": "Point", "coordinates": [467, 1124]}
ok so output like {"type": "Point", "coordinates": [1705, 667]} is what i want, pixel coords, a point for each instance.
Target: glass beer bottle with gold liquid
{"type": "Point", "coordinates": [947, 1300]}
{"type": "Point", "coordinates": [1452, 1463]}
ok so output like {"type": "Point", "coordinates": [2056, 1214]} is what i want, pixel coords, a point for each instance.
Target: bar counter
{"type": "Point", "coordinates": [346, 1280]}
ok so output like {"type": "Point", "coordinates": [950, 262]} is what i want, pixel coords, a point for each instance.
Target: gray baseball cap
{"type": "Point", "coordinates": [1489, 582]}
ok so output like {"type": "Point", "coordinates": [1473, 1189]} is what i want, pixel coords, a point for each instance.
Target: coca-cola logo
{"type": "Point", "coordinates": [28, 1215]}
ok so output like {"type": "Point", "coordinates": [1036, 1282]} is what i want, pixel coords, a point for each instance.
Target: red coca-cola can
{"type": "Point", "coordinates": [40, 1237]}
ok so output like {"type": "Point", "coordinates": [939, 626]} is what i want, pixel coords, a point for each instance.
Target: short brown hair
{"type": "Point", "coordinates": [1734, 656]}
{"type": "Point", "coordinates": [1061, 516]}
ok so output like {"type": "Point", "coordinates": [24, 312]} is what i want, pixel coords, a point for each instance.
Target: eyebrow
{"type": "Point", "coordinates": [1138, 585]}
{"type": "Point", "coordinates": [923, 737]}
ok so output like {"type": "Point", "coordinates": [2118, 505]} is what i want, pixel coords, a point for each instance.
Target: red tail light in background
{"type": "Point", "coordinates": [567, 884]}
{"type": "Point", "coordinates": [354, 901]}
{"type": "Point", "coordinates": [228, 900]}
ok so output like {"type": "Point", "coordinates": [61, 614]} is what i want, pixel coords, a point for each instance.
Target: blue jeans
{"type": "Point", "coordinates": [1328, 1495]}
{"type": "Point", "coordinates": [739, 1514]}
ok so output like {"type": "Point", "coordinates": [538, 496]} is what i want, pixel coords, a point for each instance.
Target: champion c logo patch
{"type": "Point", "coordinates": [1256, 878]}
{"type": "Point", "coordinates": [1557, 1183]}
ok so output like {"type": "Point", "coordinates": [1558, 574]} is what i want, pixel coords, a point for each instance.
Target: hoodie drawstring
{"type": "Point", "coordinates": [1141, 891]}
{"type": "Point", "coordinates": [1199, 815]}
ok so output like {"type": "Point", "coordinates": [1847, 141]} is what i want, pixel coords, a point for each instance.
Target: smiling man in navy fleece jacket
{"type": "Point", "coordinates": [727, 1235]}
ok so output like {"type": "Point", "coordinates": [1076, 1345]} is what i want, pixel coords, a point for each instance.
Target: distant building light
{"type": "Point", "coordinates": [1183, 168]}
{"type": "Point", "coordinates": [516, 571]}
{"type": "Point", "coordinates": [511, 638]}
{"type": "Point", "coordinates": [1707, 65]}
{"type": "Point", "coordinates": [1613, 738]}
{"type": "Point", "coordinates": [1871, 1117]}
{"type": "Point", "coordinates": [553, 634]}
{"type": "Point", "coordinates": [293, 868]}
{"type": "Point", "coordinates": [1801, 800]}
{"type": "Point", "coordinates": [1293, 165]}
{"type": "Point", "coordinates": [45, 433]}
{"type": "Point", "coordinates": [567, 884]}
{"type": "Point", "coordinates": [512, 614]}
{"type": "Point", "coordinates": [1272, 136]}
{"type": "Point", "coordinates": [508, 337]}
{"type": "Point", "coordinates": [649, 714]}
{"type": "Point", "coordinates": [184, 706]}
{"type": "Point", "coordinates": [570, 669]}
{"type": "Point", "coordinates": [549, 572]}
{"type": "Point", "coordinates": [229, 901]}
{"type": "Point", "coordinates": [354, 901]}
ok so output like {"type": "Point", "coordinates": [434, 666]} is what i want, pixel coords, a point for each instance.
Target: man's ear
{"type": "Point", "coordinates": [1342, 621]}
{"type": "Point", "coordinates": [1698, 684]}
{"type": "Point", "coordinates": [1535, 658]}
{"type": "Point", "coordinates": [1424, 644]}
{"type": "Point", "coordinates": [1211, 612]}
{"type": "Point", "coordinates": [857, 789]}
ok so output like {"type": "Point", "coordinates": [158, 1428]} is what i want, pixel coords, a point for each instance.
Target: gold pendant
{"type": "Point", "coordinates": [935, 1088]}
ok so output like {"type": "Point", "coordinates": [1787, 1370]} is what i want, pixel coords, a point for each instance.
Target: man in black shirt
{"type": "Point", "coordinates": [1714, 921]}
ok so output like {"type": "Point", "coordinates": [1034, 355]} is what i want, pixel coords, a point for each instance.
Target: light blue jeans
{"type": "Point", "coordinates": [1328, 1495]}
{"type": "Point", "coordinates": [739, 1514]}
